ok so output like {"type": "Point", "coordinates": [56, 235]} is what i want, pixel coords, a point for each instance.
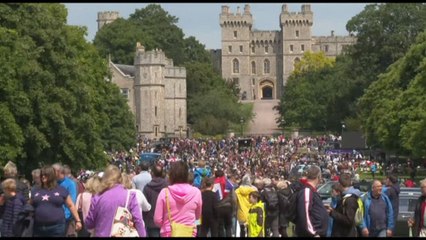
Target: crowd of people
{"type": "Point", "coordinates": [213, 188]}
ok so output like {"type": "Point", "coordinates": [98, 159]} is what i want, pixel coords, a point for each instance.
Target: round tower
{"type": "Point", "coordinates": [106, 17]}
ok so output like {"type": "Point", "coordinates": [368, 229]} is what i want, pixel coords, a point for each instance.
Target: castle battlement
{"type": "Point", "coordinates": [339, 39]}
{"type": "Point", "coordinates": [175, 72]}
{"type": "Point", "coordinates": [153, 57]}
{"type": "Point", "coordinates": [265, 36]}
{"type": "Point", "coordinates": [227, 18]}
{"type": "Point", "coordinates": [108, 15]}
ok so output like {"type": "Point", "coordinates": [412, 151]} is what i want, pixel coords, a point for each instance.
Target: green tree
{"type": "Point", "coordinates": [55, 97]}
{"type": "Point", "coordinates": [212, 105]}
{"type": "Point", "coordinates": [118, 40]}
{"type": "Point", "coordinates": [161, 27]}
{"type": "Point", "coordinates": [384, 33]}
{"type": "Point", "coordinates": [392, 110]}
{"type": "Point", "coordinates": [312, 61]}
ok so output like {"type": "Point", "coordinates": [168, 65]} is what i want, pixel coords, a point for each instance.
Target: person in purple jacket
{"type": "Point", "coordinates": [104, 205]}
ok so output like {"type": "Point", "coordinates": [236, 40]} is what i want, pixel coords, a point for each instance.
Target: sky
{"type": "Point", "coordinates": [201, 20]}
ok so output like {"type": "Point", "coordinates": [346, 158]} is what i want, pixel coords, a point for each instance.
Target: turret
{"type": "Point", "coordinates": [106, 17]}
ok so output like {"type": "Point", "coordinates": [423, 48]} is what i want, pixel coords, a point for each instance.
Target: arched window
{"type": "Point", "coordinates": [296, 61]}
{"type": "Point", "coordinates": [235, 66]}
{"type": "Point", "coordinates": [253, 67]}
{"type": "Point", "coordinates": [180, 112]}
{"type": "Point", "coordinates": [266, 66]}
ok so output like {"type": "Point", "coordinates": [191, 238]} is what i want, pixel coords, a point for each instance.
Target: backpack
{"type": "Point", "coordinates": [271, 200]}
{"type": "Point", "coordinates": [359, 214]}
{"type": "Point", "coordinates": [292, 201]}
{"type": "Point", "coordinates": [23, 226]}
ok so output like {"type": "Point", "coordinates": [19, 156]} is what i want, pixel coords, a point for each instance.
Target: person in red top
{"type": "Point", "coordinates": [410, 183]}
{"type": "Point", "coordinates": [418, 221]}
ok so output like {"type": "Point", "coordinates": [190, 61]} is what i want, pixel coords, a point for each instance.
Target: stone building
{"type": "Point", "coordinates": [154, 88]}
{"type": "Point", "coordinates": [156, 93]}
{"type": "Point", "coordinates": [261, 61]}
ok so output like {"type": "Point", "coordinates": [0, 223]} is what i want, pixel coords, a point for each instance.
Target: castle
{"type": "Point", "coordinates": [260, 62]}
{"type": "Point", "coordinates": [154, 88]}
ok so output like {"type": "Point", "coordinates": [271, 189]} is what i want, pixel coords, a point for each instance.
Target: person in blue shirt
{"type": "Point", "coordinates": [378, 213]}
{"type": "Point", "coordinates": [71, 187]}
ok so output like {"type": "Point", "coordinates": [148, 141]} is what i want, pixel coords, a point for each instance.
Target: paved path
{"type": "Point", "coordinates": [264, 119]}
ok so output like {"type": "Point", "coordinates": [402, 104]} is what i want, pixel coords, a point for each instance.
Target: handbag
{"type": "Point", "coordinates": [122, 224]}
{"type": "Point", "coordinates": [178, 229]}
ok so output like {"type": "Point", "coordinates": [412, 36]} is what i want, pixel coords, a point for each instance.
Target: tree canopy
{"type": "Point", "coordinates": [393, 109]}
{"type": "Point", "coordinates": [55, 102]}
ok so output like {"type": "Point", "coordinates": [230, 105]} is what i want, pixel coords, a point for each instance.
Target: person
{"type": "Point", "coordinates": [13, 206]}
{"type": "Point", "coordinates": [71, 187]}
{"type": "Point", "coordinates": [270, 197]}
{"type": "Point", "coordinates": [256, 216]}
{"type": "Point", "coordinates": [68, 173]}
{"type": "Point", "coordinates": [373, 168]}
{"type": "Point", "coordinates": [209, 210]}
{"type": "Point", "coordinates": [283, 191]}
{"type": "Point", "coordinates": [392, 190]}
{"type": "Point", "coordinates": [104, 205]}
{"type": "Point", "coordinates": [344, 213]}
{"type": "Point", "coordinates": [226, 205]}
{"type": "Point", "coordinates": [336, 194]}
{"type": "Point", "coordinates": [312, 220]}
{"type": "Point", "coordinates": [145, 206]}
{"type": "Point", "coordinates": [151, 191]}
{"type": "Point", "coordinates": [378, 213]}
{"type": "Point", "coordinates": [91, 188]}
{"type": "Point", "coordinates": [410, 183]}
{"type": "Point", "coordinates": [11, 171]}
{"type": "Point", "coordinates": [185, 202]}
{"type": "Point", "coordinates": [243, 202]}
{"type": "Point", "coordinates": [201, 172]}
{"type": "Point", "coordinates": [36, 178]}
{"type": "Point", "coordinates": [48, 201]}
{"type": "Point", "coordinates": [418, 223]}
{"type": "Point", "coordinates": [143, 178]}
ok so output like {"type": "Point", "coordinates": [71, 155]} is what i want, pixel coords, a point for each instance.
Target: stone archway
{"type": "Point", "coordinates": [266, 90]}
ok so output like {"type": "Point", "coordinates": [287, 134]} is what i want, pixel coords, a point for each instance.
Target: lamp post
{"type": "Point", "coordinates": [242, 122]}
{"type": "Point", "coordinates": [282, 124]}
{"type": "Point", "coordinates": [341, 135]}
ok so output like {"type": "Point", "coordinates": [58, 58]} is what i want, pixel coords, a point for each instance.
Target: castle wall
{"type": "Point", "coordinates": [284, 48]}
{"type": "Point", "coordinates": [125, 83]}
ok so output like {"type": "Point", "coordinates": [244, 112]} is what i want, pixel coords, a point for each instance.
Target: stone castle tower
{"type": "Point", "coordinates": [156, 93]}
{"type": "Point", "coordinates": [106, 17]}
{"type": "Point", "coordinates": [154, 88]}
{"type": "Point", "coordinates": [261, 61]}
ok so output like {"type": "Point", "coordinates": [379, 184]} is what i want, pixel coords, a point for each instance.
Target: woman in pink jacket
{"type": "Point", "coordinates": [184, 200]}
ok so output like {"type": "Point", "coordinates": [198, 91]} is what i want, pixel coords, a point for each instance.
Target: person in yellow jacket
{"type": "Point", "coordinates": [242, 193]}
{"type": "Point", "coordinates": [256, 217]}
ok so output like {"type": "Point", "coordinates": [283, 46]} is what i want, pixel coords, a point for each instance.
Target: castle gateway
{"type": "Point", "coordinates": [260, 62]}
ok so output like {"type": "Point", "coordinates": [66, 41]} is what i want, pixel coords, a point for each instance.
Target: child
{"type": "Point", "coordinates": [256, 218]}
{"type": "Point", "coordinates": [14, 204]}
{"type": "Point", "coordinates": [208, 212]}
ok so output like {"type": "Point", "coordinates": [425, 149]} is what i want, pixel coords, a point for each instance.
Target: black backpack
{"type": "Point", "coordinates": [271, 198]}
{"type": "Point", "coordinates": [292, 201]}
{"type": "Point", "coordinates": [23, 226]}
